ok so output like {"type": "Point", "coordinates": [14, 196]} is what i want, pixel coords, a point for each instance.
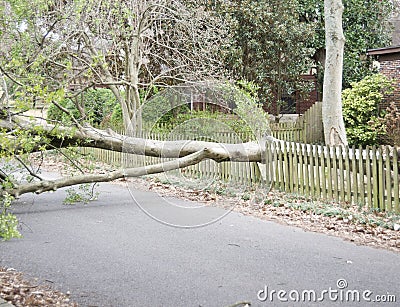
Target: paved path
{"type": "Point", "coordinates": [109, 253]}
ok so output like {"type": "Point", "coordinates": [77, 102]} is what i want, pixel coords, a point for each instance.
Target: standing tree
{"type": "Point", "coordinates": [334, 131]}
{"type": "Point", "coordinates": [364, 24]}
{"type": "Point", "coordinates": [128, 46]}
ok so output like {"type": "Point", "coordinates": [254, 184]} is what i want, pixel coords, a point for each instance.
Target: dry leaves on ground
{"type": "Point", "coordinates": [19, 291]}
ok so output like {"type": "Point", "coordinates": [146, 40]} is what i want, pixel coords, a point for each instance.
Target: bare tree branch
{"type": "Point", "coordinates": [53, 185]}
{"type": "Point", "coordinates": [30, 171]}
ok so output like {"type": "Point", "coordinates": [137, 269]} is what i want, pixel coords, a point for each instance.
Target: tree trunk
{"type": "Point", "coordinates": [185, 152]}
{"type": "Point", "coordinates": [334, 130]}
{"type": "Point", "coordinates": [53, 185]}
{"type": "Point", "coordinates": [110, 140]}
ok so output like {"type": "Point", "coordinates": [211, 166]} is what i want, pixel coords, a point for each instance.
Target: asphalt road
{"type": "Point", "coordinates": [110, 253]}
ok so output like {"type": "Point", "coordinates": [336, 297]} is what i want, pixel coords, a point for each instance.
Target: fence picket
{"type": "Point", "coordinates": [341, 173]}
{"type": "Point", "coordinates": [368, 161]}
{"type": "Point", "coordinates": [301, 169]}
{"type": "Point", "coordinates": [381, 191]}
{"type": "Point", "coordinates": [354, 172]}
{"type": "Point", "coordinates": [317, 173]}
{"type": "Point", "coordinates": [286, 167]}
{"type": "Point", "coordinates": [375, 180]}
{"type": "Point", "coordinates": [388, 183]}
{"type": "Point", "coordinates": [290, 166]}
{"type": "Point", "coordinates": [295, 168]}
{"type": "Point", "coordinates": [347, 178]}
{"type": "Point", "coordinates": [306, 170]}
{"type": "Point", "coordinates": [329, 172]}
{"type": "Point", "coordinates": [276, 165]}
{"type": "Point", "coordinates": [281, 163]}
{"type": "Point", "coordinates": [335, 174]}
{"type": "Point", "coordinates": [360, 174]}
{"type": "Point", "coordinates": [396, 196]}
{"type": "Point", "coordinates": [310, 154]}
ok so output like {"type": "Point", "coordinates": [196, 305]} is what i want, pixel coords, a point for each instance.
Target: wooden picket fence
{"type": "Point", "coordinates": [367, 176]}
{"type": "Point", "coordinates": [288, 131]}
{"type": "Point", "coordinates": [307, 128]}
{"type": "Point", "coordinates": [364, 176]}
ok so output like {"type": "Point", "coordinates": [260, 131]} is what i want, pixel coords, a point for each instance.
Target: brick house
{"type": "Point", "coordinates": [388, 62]}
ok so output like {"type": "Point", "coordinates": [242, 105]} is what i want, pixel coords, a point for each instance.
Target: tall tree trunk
{"type": "Point", "coordinates": [334, 130]}
{"type": "Point", "coordinates": [131, 110]}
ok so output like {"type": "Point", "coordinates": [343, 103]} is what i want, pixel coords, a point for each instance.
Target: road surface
{"type": "Point", "coordinates": [110, 253]}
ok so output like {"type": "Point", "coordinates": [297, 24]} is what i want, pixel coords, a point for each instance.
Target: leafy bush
{"type": "Point", "coordinates": [207, 123]}
{"type": "Point", "coordinates": [361, 112]}
{"type": "Point", "coordinates": [116, 121]}
{"type": "Point", "coordinates": [246, 116]}
{"type": "Point", "coordinates": [8, 221]}
{"type": "Point", "coordinates": [97, 103]}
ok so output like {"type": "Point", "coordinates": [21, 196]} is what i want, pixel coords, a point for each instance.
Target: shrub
{"type": "Point", "coordinates": [116, 121]}
{"type": "Point", "coordinates": [228, 108]}
{"type": "Point", "coordinates": [97, 103]}
{"type": "Point", "coordinates": [361, 112]}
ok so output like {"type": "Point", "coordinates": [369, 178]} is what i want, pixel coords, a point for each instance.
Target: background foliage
{"type": "Point", "coordinates": [269, 47]}
{"type": "Point", "coordinates": [94, 106]}
{"type": "Point", "coordinates": [365, 26]}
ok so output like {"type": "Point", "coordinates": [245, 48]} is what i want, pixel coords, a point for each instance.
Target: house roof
{"type": "Point", "coordinates": [385, 50]}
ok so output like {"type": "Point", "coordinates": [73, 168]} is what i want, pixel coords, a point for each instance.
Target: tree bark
{"type": "Point", "coordinates": [186, 153]}
{"type": "Point", "coordinates": [60, 136]}
{"type": "Point", "coordinates": [334, 129]}
{"type": "Point", "coordinates": [53, 185]}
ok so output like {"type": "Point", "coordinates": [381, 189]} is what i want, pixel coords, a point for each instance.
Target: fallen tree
{"type": "Point", "coordinates": [47, 137]}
